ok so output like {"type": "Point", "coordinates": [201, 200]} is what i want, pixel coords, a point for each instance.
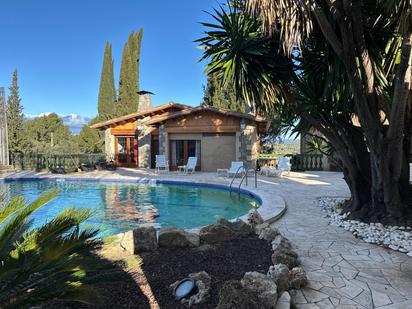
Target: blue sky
{"type": "Point", "coordinates": [57, 46]}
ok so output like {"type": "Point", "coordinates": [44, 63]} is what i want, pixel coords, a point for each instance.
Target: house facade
{"type": "Point", "coordinates": [215, 136]}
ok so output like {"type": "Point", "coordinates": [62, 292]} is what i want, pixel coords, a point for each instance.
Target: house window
{"type": "Point", "coordinates": [181, 150]}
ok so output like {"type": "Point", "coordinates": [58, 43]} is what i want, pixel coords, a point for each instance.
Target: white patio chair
{"type": "Point", "coordinates": [162, 165]}
{"type": "Point", "coordinates": [284, 165]}
{"type": "Point", "coordinates": [236, 167]}
{"type": "Point", "coordinates": [190, 167]}
{"type": "Point", "coordinates": [270, 171]}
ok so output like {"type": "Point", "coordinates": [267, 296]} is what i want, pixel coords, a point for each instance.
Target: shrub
{"type": "Point", "coordinates": [39, 264]}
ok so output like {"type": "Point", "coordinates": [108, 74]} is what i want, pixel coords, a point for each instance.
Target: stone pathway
{"type": "Point", "coordinates": [343, 272]}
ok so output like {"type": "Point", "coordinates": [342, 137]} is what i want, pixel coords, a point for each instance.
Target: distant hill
{"type": "Point", "coordinates": [287, 147]}
{"type": "Point", "coordinates": [73, 121]}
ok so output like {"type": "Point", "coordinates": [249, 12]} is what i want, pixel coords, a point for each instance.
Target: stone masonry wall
{"type": "Point", "coordinates": [145, 102]}
{"type": "Point", "coordinates": [144, 151]}
{"type": "Point", "coordinates": [109, 146]}
{"type": "Point", "coordinates": [163, 140]}
{"type": "Point", "coordinates": [248, 142]}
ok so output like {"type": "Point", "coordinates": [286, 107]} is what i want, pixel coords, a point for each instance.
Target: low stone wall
{"type": "Point", "coordinates": [254, 290]}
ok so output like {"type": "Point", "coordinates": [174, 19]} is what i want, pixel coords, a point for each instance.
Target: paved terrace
{"type": "Point", "coordinates": [343, 272]}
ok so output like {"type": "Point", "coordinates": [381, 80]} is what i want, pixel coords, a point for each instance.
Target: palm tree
{"type": "Point", "coordinates": [360, 50]}
{"type": "Point", "coordinates": [44, 263]}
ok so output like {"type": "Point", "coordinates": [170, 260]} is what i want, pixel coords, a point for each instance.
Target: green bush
{"type": "Point", "coordinates": [48, 262]}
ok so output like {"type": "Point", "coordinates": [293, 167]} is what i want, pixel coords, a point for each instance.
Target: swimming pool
{"type": "Point", "coordinates": [118, 207]}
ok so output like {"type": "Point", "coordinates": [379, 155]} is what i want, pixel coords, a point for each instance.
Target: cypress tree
{"type": "Point", "coordinates": [138, 39]}
{"type": "Point", "coordinates": [221, 96]}
{"type": "Point", "coordinates": [16, 137]}
{"type": "Point", "coordinates": [107, 91]}
{"type": "Point", "coordinates": [128, 101]}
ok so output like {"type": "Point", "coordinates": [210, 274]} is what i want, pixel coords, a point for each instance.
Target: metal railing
{"type": "Point", "coordinates": [246, 170]}
{"type": "Point", "coordinates": [234, 177]}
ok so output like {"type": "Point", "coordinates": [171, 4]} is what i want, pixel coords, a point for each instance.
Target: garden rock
{"type": "Point", "coordinates": [139, 240]}
{"type": "Point", "coordinates": [282, 252]}
{"type": "Point", "coordinates": [203, 281]}
{"type": "Point", "coordinates": [173, 237]}
{"type": "Point", "coordinates": [284, 301]}
{"type": "Point", "coordinates": [254, 218]}
{"type": "Point", "coordinates": [260, 227]}
{"type": "Point", "coordinates": [398, 238]}
{"type": "Point", "coordinates": [269, 233]}
{"type": "Point", "coordinates": [233, 295]}
{"type": "Point", "coordinates": [264, 287]}
{"type": "Point", "coordinates": [279, 273]}
{"type": "Point", "coordinates": [224, 230]}
{"type": "Point", "coordinates": [297, 278]}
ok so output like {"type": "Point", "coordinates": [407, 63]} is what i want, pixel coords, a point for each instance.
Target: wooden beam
{"type": "Point", "coordinates": [123, 132]}
{"type": "Point", "coordinates": [203, 129]}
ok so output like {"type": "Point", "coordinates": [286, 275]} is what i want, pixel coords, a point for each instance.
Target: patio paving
{"type": "Point", "coordinates": [343, 272]}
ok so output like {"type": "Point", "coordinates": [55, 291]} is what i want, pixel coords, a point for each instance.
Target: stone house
{"type": "Point", "coordinates": [215, 136]}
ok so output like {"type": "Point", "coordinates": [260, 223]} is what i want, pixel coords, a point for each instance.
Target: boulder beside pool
{"type": "Point", "coordinates": [224, 230]}
{"type": "Point", "coordinates": [177, 238]}
{"type": "Point", "coordinates": [141, 239]}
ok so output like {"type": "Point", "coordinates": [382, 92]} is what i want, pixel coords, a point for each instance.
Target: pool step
{"type": "Point", "coordinates": [145, 181]}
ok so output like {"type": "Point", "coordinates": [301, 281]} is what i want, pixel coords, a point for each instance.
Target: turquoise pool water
{"type": "Point", "coordinates": [121, 206]}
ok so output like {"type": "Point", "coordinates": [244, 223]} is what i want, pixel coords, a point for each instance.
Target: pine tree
{"type": "Point", "coordinates": [107, 91]}
{"type": "Point", "coordinates": [221, 96]}
{"type": "Point", "coordinates": [17, 141]}
{"type": "Point", "coordinates": [91, 140]}
{"type": "Point", "coordinates": [128, 101]}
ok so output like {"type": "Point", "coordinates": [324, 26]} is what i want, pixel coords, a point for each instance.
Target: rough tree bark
{"type": "Point", "coordinates": [385, 142]}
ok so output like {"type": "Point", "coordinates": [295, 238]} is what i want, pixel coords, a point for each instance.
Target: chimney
{"type": "Point", "coordinates": [145, 102]}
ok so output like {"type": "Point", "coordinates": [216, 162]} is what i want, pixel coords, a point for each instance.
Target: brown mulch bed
{"type": "Point", "coordinates": [223, 261]}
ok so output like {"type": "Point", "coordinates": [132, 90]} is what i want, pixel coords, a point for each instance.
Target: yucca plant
{"type": "Point", "coordinates": [44, 263]}
{"type": "Point", "coordinates": [350, 81]}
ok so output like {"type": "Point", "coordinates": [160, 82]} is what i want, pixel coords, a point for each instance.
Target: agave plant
{"type": "Point", "coordinates": [39, 264]}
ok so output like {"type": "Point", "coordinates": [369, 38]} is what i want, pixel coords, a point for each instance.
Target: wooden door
{"type": "Point", "coordinates": [126, 151]}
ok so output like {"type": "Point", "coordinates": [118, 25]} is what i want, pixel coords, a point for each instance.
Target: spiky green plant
{"type": "Point", "coordinates": [38, 264]}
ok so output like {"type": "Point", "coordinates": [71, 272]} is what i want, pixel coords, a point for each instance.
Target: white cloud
{"type": "Point", "coordinates": [73, 121]}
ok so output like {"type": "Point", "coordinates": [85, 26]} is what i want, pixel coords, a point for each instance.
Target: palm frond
{"type": "Point", "coordinates": [49, 262]}
{"type": "Point", "coordinates": [242, 56]}
{"type": "Point", "coordinates": [13, 229]}
{"type": "Point", "coordinates": [292, 18]}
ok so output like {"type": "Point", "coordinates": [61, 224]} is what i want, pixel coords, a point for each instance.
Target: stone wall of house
{"type": "Point", "coordinates": [238, 146]}
{"type": "Point", "coordinates": [109, 146]}
{"type": "Point", "coordinates": [248, 143]}
{"type": "Point", "coordinates": [145, 150]}
{"type": "Point", "coordinates": [145, 102]}
{"type": "Point", "coordinates": [163, 141]}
